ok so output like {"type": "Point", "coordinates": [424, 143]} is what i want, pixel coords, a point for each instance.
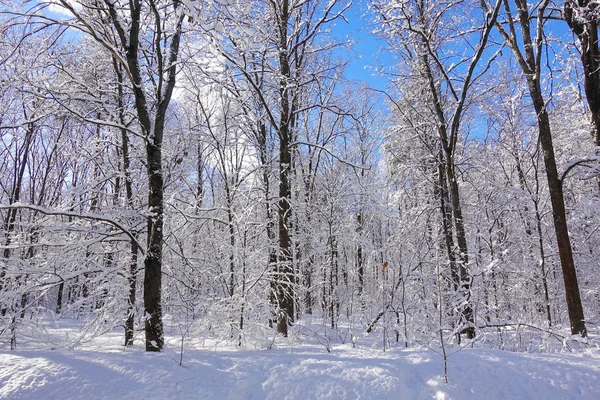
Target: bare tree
{"type": "Point", "coordinates": [528, 50]}
{"type": "Point", "coordinates": [582, 17]}
{"type": "Point", "coordinates": [150, 64]}
{"type": "Point", "coordinates": [290, 39]}
{"type": "Point", "coordinates": [413, 28]}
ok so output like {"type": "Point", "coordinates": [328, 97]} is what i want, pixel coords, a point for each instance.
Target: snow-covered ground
{"type": "Point", "coordinates": [103, 369]}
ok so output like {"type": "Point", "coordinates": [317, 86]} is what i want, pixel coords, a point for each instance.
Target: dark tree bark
{"type": "Point", "coordinates": [529, 60]}
{"type": "Point", "coordinates": [59, 297]}
{"type": "Point", "coordinates": [463, 256]}
{"type": "Point", "coordinates": [153, 131]}
{"type": "Point", "coordinates": [450, 203]}
{"type": "Point", "coordinates": [294, 28]}
{"type": "Point", "coordinates": [559, 214]}
{"type": "Point", "coordinates": [441, 191]}
{"type": "Point", "coordinates": [126, 160]}
{"type": "Point", "coordinates": [285, 273]}
{"type": "Point", "coordinates": [359, 253]}
{"type": "Point", "coordinates": [132, 281]}
{"type": "Point", "coordinates": [421, 20]}
{"type": "Point", "coordinates": [582, 17]}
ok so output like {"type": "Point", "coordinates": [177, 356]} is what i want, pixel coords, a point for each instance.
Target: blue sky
{"type": "Point", "coordinates": [368, 50]}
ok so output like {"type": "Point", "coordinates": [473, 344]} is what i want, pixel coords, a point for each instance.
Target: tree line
{"type": "Point", "coordinates": [212, 167]}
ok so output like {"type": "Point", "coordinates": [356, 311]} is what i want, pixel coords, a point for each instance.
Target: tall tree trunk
{"type": "Point", "coordinates": [449, 188]}
{"type": "Point", "coordinates": [153, 260]}
{"type": "Point", "coordinates": [59, 297]}
{"type": "Point", "coordinates": [441, 191]}
{"type": "Point", "coordinates": [463, 255]}
{"type": "Point", "coordinates": [529, 60]}
{"type": "Point", "coordinates": [559, 215]}
{"type": "Point", "coordinates": [133, 254]}
{"type": "Point", "coordinates": [231, 229]}
{"type": "Point", "coordinates": [285, 273]}
{"type": "Point", "coordinates": [448, 130]}
{"type": "Point", "coordinates": [359, 254]}
{"type": "Point", "coordinates": [152, 125]}
{"type": "Point", "coordinates": [132, 283]}
{"type": "Point", "coordinates": [582, 17]}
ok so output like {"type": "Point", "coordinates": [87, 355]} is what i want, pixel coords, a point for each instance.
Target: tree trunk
{"type": "Point", "coordinates": [285, 274]}
{"type": "Point", "coordinates": [559, 215]}
{"type": "Point", "coordinates": [59, 297]}
{"type": "Point", "coordinates": [530, 62]}
{"type": "Point", "coordinates": [152, 125]}
{"type": "Point", "coordinates": [359, 254]}
{"type": "Point", "coordinates": [586, 29]}
{"type": "Point", "coordinates": [132, 281]}
{"type": "Point", "coordinates": [126, 159]}
{"type": "Point", "coordinates": [153, 260]}
{"type": "Point", "coordinates": [231, 229]}
{"type": "Point", "coordinates": [463, 256]}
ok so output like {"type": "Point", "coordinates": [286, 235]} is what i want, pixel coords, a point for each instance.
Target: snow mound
{"type": "Point", "coordinates": [301, 373]}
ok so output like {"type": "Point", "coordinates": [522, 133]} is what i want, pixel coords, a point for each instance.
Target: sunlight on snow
{"type": "Point", "coordinates": [440, 395]}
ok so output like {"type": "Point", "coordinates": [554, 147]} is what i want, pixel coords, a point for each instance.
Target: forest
{"type": "Point", "coordinates": [183, 171]}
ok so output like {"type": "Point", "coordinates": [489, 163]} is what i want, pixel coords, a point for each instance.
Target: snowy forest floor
{"type": "Point", "coordinates": [103, 369]}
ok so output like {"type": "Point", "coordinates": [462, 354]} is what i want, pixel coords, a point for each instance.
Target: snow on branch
{"type": "Point", "coordinates": [325, 149]}
{"type": "Point", "coordinates": [582, 162]}
{"type": "Point", "coordinates": [89, 216]}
